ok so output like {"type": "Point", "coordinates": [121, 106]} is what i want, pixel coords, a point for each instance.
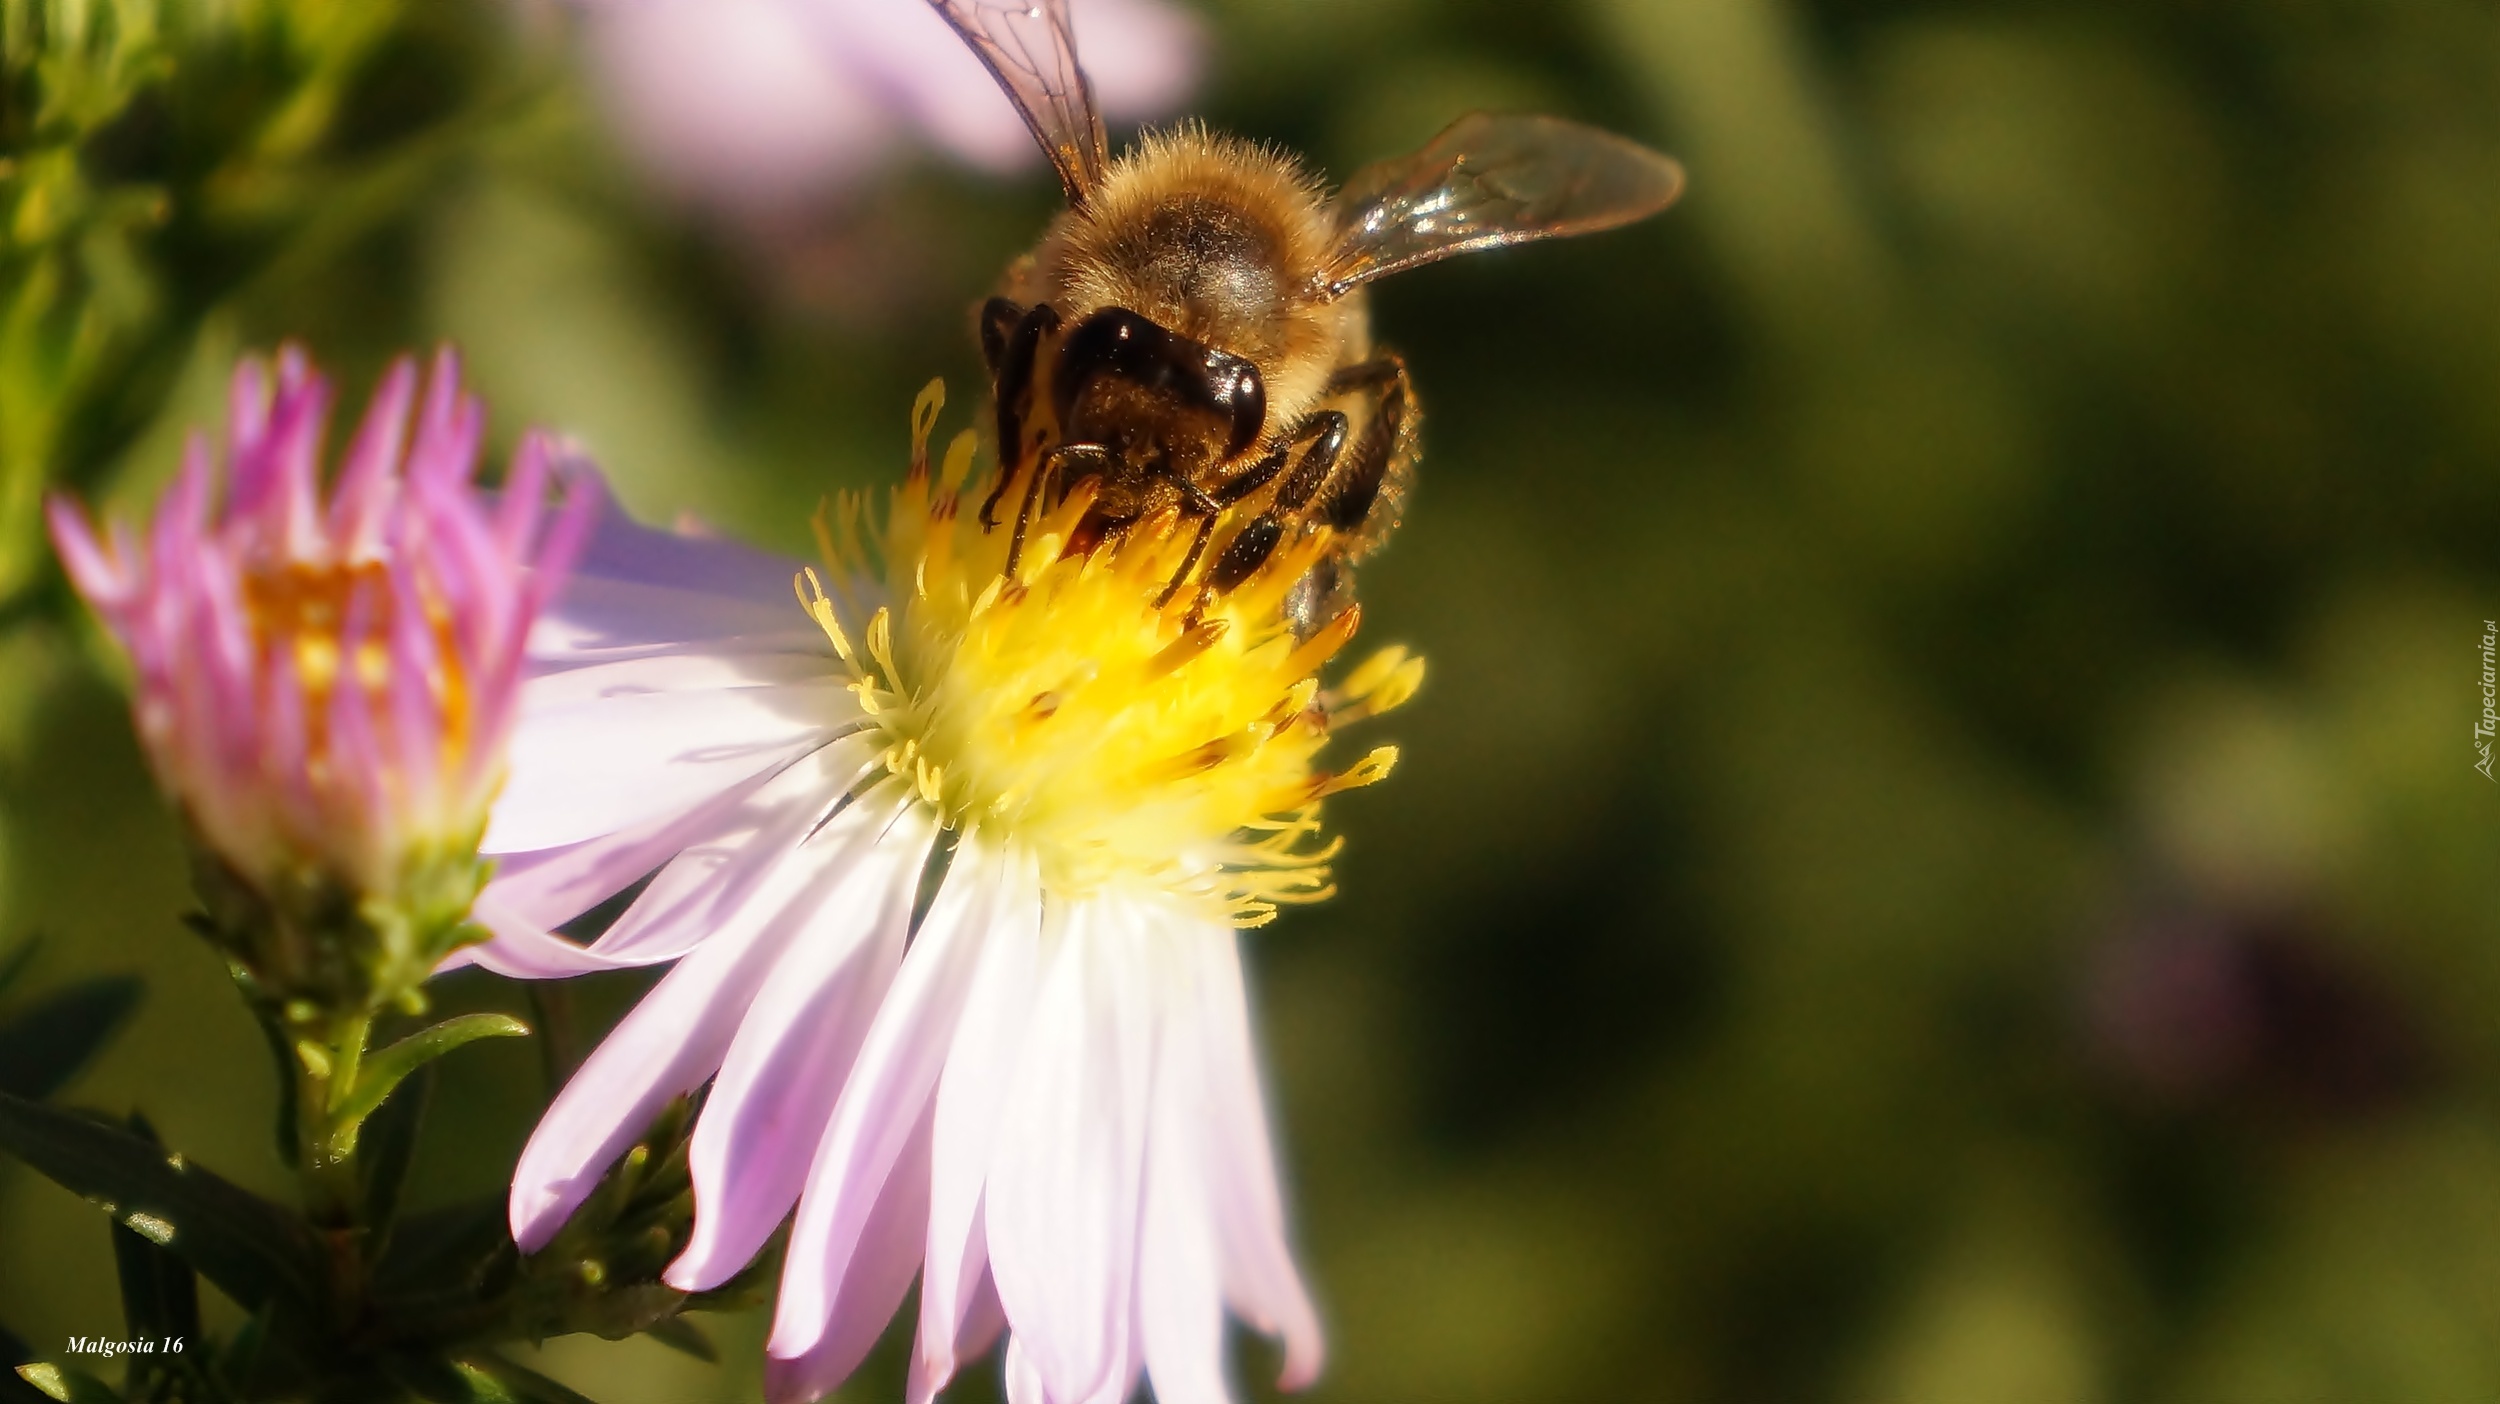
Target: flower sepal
{"type": "Point", "coordinates": [601, 1272]}
{"type": "Point", "coordinates": [311, 949]}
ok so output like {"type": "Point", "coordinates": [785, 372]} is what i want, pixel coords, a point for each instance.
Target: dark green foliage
{"type": "Point", "coordinates": [253, 1250]}
{"type": "Point", "coordinates": [448, 1287]}
{"type": "Point", "coordinates": [161, 1305]}
{"type": "Point", "coordinates": [389, 1143]}
{"type": "Point", "coordinates": [45, 1042]}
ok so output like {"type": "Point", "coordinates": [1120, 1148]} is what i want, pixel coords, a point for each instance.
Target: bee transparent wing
{"type": "Point", "coordinates": [1489, 180]}
{"type": "Point", "coordinates": [1029, 46]}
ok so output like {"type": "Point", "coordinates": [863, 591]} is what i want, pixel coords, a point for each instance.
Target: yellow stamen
{"type": "Point", "coordinates": [304, 608]}
{"type": "Point", "coordinates": [1168, 746]}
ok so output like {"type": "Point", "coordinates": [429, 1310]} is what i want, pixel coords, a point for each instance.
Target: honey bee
{"type": "Point", "coordinates": [1191, 334]}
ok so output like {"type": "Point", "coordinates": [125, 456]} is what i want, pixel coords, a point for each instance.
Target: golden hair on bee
{"type": "Point", "coordinates": [1219, 239]}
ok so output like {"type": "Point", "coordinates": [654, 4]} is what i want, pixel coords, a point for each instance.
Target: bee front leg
{"type": "Point", "coordinates": [1011, 337]}
{"type": "Point", "coordinates": [1047, 471]}
{"type": "Point", "coordinates": [1206, 508]}
{"type": "Point", "coordinates": [997, 324]}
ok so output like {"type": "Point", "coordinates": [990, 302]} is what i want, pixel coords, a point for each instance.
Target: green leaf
{"type": "Point", "coordinates": [256, 1363]}
{"type": "Point", "coordinates": [160, 1297]}
{"type": "Point", "coordinates": [68, 1386]}
{"type": "Point", "coordinates": [13, 1387]}
{"type": "Point", "coordinates": [389, 1142]}
{"type": "Point", "coordinates": [517, 1384]}
{"type": "Point", "coordinates": [438, 1381]}
{"type": "Point", "coordinates": [283, 1053]}
{"type": "Point", "coordinates": [44, 1045]}
{"type": "Point", "coordinates": [252, 1249]}
{"type": "Point", "coordinates": [383, 1070]}
{"type": "Point", "coordinates": [445, 1269]}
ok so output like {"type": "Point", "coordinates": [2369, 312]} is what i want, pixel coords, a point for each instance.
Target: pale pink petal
{"type": "Point", "coordinates": [715, 875]}
{"type": "Point", "coordinates": [582, 771]}
{"type": "Point", "coordinates": [601, 618]}
{"type": "Point", "coordinates": [785, 1070]}
{"type": "Point", "coordinates": [535, 892]}
{"type": "Point", "coordinates": [1024, 1378]}
{"type": "Point", "coordinates": [891, 1089]}
{"type": "Point", "coordinates": [1143, 56]}
{"type": "Point", "coordinates": [915, 63]}
{"type": "Point", "coordinates": [873, 1290]}
{"type": "Point", "coordinates": [981, 1063]}
{"type": "Point", "coordinates": [622, 549]}
{"type": "Point", "coordinates": [449, 426]}
{"type": "Point", "coordinates": [736, 98]}
{"type": "Point", "coordinates": [294, 466]}
{"type": "Point", "coordinates": [677, 1036]}
{"type": "Point", "coordinates": [984, 1320]}
{"type": "Point", "coordinates": [524, 487]}
{"type": "Point", "coordinates": [1062, 1204]}
{"type": "Point", "coordinates": [1260, 1279]}
{"type": "Point", "coordinates": [761, 102]}
{"type": "Point", "coordinates": [686, 670]}
{"type": "Point", "coordinates": [1180, 1290]}
{"type": "Point", "coordinates": [89, 568]}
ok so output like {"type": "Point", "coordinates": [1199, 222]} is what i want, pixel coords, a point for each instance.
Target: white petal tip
{"type": "Point", "coordinates": [793, 1338]}
{"type": "Point", "coordinates": [532, 1231]}
{"type": "Point", "coordinates": [687, 1273]}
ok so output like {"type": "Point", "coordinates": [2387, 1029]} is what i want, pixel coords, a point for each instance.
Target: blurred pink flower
{"type": "Point", "coordinates": [762, 102]}
{"type": "Point", "coordinates": [330, 684]}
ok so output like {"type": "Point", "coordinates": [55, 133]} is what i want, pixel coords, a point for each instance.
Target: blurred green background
{"type": "Point", "coordinates": [1940, 857]}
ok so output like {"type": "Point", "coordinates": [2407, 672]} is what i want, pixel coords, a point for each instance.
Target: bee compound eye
{"type": "Point", "coordinates": [1247, 397]}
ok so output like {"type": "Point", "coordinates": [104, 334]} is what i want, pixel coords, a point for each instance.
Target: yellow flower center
{"type": "Point", "coordinates": [1124, 739]}
{"type": "Point", "coordinates": [304, 607]}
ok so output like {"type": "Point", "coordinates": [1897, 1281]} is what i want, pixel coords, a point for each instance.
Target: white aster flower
{"type": "Point", "coordinates": [1040, 1097]}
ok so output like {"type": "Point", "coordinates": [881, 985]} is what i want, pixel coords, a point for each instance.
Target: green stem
{"type": "Point", "coordinates": [327, 1059]}
{"type": "Point", "coordinates": [348, 1056]}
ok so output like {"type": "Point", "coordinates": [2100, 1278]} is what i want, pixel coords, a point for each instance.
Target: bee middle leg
{"type": "Point", "coordinates": [1381, 457]}
{"type": "Point", "coordinates": [1373, 470]}
{"type": "Point", "coordinates": [1322, 440]}
{"type": "Point", "coordinates": [1207, 506]}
